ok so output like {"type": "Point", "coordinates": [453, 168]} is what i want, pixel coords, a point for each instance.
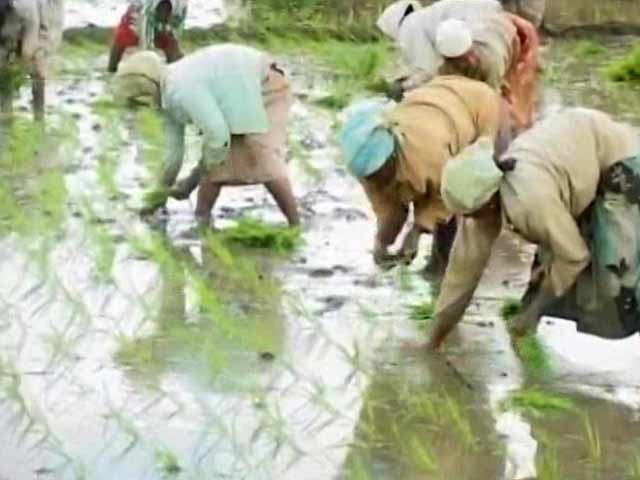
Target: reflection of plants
{"type": "Point", "coordinates": [547, 465]}
{"type": "Point", "coordinates": [592, 442]}
{"type": "Point", "coordinates": [538, 403]}
{"type": "Point", "coordinates": [634, 469]}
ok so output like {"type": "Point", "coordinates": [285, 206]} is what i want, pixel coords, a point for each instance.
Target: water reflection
{"type": "Point", "coordinates": [219, 320]}
{"type": "Point", "coordinates": [422, 420]}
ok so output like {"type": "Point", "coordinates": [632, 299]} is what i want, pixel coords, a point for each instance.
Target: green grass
{"type": "Point", "coordinates": [422, 313]}
{"type": "Point", "coordinates": [538, 403]}
{"type": "Point", "coordinates": [254, 233]}
{"type": "Point", "coordinates": [625, 69]}
{"type": "Point", "coordinates": [589, 48]}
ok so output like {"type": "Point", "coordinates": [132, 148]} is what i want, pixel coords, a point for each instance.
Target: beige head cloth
{"type": "Point", "coordinates": [139, 77]}
{"type": "Point", "coordinates": [471, 179]}
{"type": "Point", "coordinates": [391, 18]}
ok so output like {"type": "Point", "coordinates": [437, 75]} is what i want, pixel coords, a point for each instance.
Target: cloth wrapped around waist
{"type": "Point", "coordinates": [605, 301]}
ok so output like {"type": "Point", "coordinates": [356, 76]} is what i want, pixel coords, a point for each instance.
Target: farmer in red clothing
{"type": "Point", "coordinates": [149, 24]}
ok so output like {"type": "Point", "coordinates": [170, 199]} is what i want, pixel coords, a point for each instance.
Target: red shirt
{"type": "Point", "coordinates": [126, 36]}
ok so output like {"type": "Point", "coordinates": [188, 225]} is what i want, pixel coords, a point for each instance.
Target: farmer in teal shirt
{"type": "Point", "coordinates": [239, 99]}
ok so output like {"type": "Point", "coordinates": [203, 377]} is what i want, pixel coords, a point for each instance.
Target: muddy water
{"type": "Point", "coordinates": [571, 13]}
{"type": "Point", "coordinates": [116, 362]}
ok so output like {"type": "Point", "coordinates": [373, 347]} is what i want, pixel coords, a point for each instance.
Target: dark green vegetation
{"type": "Point", "coordinates": [510, 308]}
{"type": "Point", "coordinates": [625, 69]}
{"type": "Point", "coordinates": [12, 77]}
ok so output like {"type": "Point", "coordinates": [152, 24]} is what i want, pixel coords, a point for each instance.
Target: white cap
{"type": "Point", "coordinates": [390, 20]}
{"type": "Point", "coordinates": [453, 38]}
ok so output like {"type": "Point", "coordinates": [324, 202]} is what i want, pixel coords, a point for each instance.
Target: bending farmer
{"type": "Point", "coordinates": [239, 98]}
{"type": "Point", "coordinates": [398, 152]}
{"type": "Point", "coordinates": [570, 186]}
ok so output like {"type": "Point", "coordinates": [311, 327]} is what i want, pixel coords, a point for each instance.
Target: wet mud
{"type": "Point", "coordinates": [148, 350]}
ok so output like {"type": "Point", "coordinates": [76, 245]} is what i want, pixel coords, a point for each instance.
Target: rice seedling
{"type": "Point", "coordinates": [548, 465]}
{"type": "Point", "coordinates": [533, 355]}
{"type": "Point", "coordinates": [625, 69]}
{"type": "Point", "coordinates": [151, 131]}
{"type": "Point", "coordinates": [634, 468]}
{"type": "Point", "coordinates": [422, 313]}
{"type": "Point", "coordinates": [253, 233]}
{"type": "Point", "coordinates": [592, 442]}
{"type": "Point", "coordinates": [168, 462]}
{"type": "Point", "coordinates": [510, 308]}
{"type": "Point", "coordinates": [420, 456]}
{"type": "Point", "coordinates": [538, 403]}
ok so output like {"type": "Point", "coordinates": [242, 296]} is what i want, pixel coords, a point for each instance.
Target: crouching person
{"type": "Point", "coordinates": [398, 152]}
{"type": "Point", "coordinates": [240, 99]}
{"type": "Point", "coordinates": [569, 185]}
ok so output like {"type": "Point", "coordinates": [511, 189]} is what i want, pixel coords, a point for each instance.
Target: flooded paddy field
{"type": "Point", "coordinates": [149, 349]}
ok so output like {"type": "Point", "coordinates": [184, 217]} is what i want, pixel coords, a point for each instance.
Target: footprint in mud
{"type": "Point", "coordinates": [332, 303]}
{"type": "Point", "coordinates": [328, 272]}
{"type": "Point", "coordinates": [348, 214]}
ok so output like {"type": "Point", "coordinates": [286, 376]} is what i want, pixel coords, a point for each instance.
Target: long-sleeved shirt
{"type": "Point", "coordinates": [219, 89]}
{"type": "Point", "coordinates": [432, 124]}
{"type": "Point", "coordinates": [558, 169]}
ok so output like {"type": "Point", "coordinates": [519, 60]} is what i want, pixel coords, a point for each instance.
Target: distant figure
{"type": "Point", "coordinates": [30, 32]}
{"type": "Point", "coordinates": [240, 99]}
{"type": "Point", "coordinates": [398, 153]}
{"type": "Point", "coordinates": [531, 10]}
{"type": "Point", "coordinates": [149, 24]}
{"type": "Point", "coordinates": [571, 185]}
{"type": "Point", "coordinates": [474, 38]}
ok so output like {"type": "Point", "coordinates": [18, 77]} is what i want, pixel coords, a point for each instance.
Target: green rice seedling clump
{"type": "Point", "coordinates": [533, 355]}
{"type": "Point", "coordinates": [538, 403]}
{"type": "Point", "coordinates": [510, 308]}
{"type": "Point", "coordinates": [253, 233]}
{"type": "Point", "coordinates": [625, 69]}
{"type": "Point", "coordinates": [12, 77]}
{"type": "Point", "coordinates": [422, 313]}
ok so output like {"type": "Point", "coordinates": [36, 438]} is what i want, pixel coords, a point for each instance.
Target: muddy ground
{"type": "Point", "coordinates": [145, 350]}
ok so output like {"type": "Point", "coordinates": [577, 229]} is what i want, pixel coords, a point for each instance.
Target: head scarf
{"type": "Point", "coordinates": [391, 18]}
{"type": "Point", "coordinates": [139, 77]}
{"type": "Point", "coordinates": [471, 179]}
{"type": "Point", "coordinates": [148, 25]}
{"type": "Point", "coordinates": [453, 38]}
{"type": "Point", "coordinates": [366, 141]}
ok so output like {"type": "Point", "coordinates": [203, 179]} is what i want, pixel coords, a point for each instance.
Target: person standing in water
{"type": "Point", "coordinates": [240, 99]}
{"type": "Point", "coordinates": [149, 24]}
{"type": "Point", "coordinates": [30, 33]}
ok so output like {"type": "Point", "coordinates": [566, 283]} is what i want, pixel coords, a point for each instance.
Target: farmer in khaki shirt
{"type": "Point", "coordinates": [398, 152]}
